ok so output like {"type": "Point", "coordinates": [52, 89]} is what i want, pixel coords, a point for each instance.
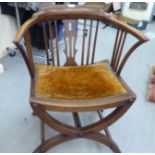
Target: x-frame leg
{"type": "Point", "coordinates": [67, 132]}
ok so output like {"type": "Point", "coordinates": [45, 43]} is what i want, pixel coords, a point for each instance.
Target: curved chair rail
{"type": "Point", "coordinates": [63, 12]}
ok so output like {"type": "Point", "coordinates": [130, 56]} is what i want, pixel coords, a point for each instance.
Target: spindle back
{"type": "Point", "coordinates": [74, 35]}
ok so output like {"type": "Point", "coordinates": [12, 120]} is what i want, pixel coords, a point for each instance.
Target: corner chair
{"type": "Point", "coordinates": [78, 83]}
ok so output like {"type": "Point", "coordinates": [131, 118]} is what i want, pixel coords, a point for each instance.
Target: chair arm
{"type": "Point", "coordinates": [22, 30]}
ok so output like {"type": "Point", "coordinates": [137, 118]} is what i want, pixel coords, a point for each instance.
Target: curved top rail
{"type": "Point", "coordinates": [78, 12]}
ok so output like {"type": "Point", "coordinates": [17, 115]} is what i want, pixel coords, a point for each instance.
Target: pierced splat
{"type": "Point", "coordinates": [70, 37]}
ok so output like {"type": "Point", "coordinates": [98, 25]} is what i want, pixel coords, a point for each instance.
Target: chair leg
{"type": "Point", "coordinates": [52, 142]}
{"type": "Point", "coordinates": [42, 131]}
{"type": "Point", "coordinates": [68, 132]}
{"type": "Point", "coordinates": [76, 118]}
{"type": "Point", "coordinates": [61, 138]}
{"type": "Point", "coordinates": [107, 132]}
{"type": "Point", "coordinates": [101, 138]}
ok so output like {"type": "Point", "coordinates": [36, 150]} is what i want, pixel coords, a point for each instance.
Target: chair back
{"type": "Point", "coordinates": [78, 36]}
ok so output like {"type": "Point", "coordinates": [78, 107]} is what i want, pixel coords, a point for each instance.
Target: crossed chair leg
{"type": "Point", "coordinates": [67, 132]}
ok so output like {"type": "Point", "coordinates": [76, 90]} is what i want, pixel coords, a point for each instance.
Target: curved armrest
{"type": "Point", "coordinates": [130, 29]}
{"type": "Point", "coordinates": [21, 31]}
{"type": "Point", "coordinates": [77, 13]}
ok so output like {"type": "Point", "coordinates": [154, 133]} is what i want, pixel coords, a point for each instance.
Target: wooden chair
{"type": "Point", "coordinates": [70, 84]}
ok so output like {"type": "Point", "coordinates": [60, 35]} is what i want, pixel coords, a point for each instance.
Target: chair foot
{"type": "Point", "coordinates": [39, 149]}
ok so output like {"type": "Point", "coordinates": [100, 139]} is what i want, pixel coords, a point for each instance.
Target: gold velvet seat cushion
{"type": "Point", "coordinates": [82, 82]}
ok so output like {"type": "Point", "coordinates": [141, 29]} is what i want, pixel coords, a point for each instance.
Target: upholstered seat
{"type": "Point", "coordinates": [72, 82]}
